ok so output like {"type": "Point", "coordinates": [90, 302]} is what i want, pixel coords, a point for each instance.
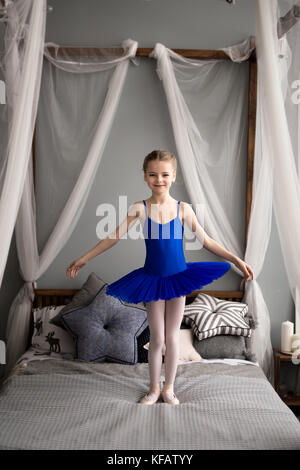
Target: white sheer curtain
{"type": "Point", "coordinates": [22, 67]}
{"type": "Point", "coordinates": [205, 143]}
{"type": "Point", "coordinates": [33, 264]}
{"type": "Point", "coordinates": [279, 116]}
{"type": "Point", "coordinates": [207, 102]}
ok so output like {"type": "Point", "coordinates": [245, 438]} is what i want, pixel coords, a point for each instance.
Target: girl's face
{"type": "Point", "coordinates": [159, 176]}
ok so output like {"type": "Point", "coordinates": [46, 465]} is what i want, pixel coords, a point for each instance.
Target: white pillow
{"type": "Point", "coordinates": [209, 316]}
{"type": "Point", "coordinates": [49, 337]}
{"type": "Point", "coordinates": [187, 352]}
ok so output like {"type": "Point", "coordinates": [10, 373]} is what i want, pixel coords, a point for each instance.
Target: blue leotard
{"type": "Point", "coordinates": [165, 273]}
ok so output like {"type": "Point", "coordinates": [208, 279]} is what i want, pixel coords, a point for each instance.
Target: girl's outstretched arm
{"type": "Point", "coordinates": [108, 242]}
{"type": "Point", "coordinates": [190, 218]}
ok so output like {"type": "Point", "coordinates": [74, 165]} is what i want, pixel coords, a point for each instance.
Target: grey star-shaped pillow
{"type": "Point", "coordinates": [83, 297]}
{"type": "Point", "coordinates": [106, 330]}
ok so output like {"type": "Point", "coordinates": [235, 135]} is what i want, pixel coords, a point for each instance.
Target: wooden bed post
{"type": "Point", "coordinates": [251, 136]}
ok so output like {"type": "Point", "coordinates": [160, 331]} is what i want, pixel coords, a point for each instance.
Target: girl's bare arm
{"type": "Point", "coordinates": [211, 245]}
{"type": "Point", "coordinates": [113, 238]}
{"type": "Point", "coordinates": [108, 242]}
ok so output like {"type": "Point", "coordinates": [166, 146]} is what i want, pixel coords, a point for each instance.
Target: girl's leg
{"type": "Point", "coordinates": [155, 315]}
{"type": "Point", "coordinates": [174, 315]}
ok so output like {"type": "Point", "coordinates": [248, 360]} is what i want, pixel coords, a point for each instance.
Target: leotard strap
{"type": "Point", "coordinates": [145, 207]}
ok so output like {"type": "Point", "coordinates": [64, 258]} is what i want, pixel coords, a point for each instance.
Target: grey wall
{"type": "Point", "coordinates": [141, 125]}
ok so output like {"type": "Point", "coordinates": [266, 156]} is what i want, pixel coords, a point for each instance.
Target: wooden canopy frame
{"type": "Point", "coordinates": [44, 297]}
{"type": "Point", "coordinates": [194, 54]}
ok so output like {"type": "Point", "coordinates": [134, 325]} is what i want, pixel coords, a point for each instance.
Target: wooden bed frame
{"type": "Point", "coordinates": [46, 297]}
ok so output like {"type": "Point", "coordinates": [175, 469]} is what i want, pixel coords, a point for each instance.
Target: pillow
{"type": "Point", "coordinates": [187, 352]}
{"type": "Point", "coordinates": [143, 339]}
{"type": "Point", "coordinates": [49, 337]}
{"type": "Point", "coordinates": [224, 347]}
{"type": "Point", "coordinates": [82, 297]}
{"type": "Point", "coordinates": [227, 346]}
{"type": "Point", "coordinates": [209, 316]}
{"type": "Point", "coordinates": [106, 329]}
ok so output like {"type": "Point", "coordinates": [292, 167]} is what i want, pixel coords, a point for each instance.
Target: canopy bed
{"type": "Point", "coordinates": [51, 400]}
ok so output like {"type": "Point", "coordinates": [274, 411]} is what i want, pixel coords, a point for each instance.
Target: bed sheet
{"type": "Point", "coordinates": [58, 403]}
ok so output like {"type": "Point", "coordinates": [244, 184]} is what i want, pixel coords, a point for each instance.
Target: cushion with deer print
{"type": "Point", "coordinates": [49, 338]}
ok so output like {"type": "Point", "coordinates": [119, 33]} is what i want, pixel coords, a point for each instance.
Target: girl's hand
{"type": "Point", "coordinates": [75, 267]}
{"type": "Point", "coordinates": [245, 268]}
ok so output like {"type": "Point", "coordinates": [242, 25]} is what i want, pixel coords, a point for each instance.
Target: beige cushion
{"type": "Point", "coordinates": [187, 352]}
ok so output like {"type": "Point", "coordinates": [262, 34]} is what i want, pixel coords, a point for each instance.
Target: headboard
{"type": "Point", "coordinates": [45, 297]}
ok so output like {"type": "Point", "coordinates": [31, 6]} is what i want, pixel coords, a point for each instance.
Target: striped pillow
{"type": "Point", "coordinates": [209, 316]}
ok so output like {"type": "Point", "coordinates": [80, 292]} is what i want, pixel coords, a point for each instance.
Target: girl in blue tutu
{"type": "Point", "coordinates": [166, 278]}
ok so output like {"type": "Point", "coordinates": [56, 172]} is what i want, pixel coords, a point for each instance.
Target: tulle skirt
{"type": "Point", "coordinates": [139, 286]}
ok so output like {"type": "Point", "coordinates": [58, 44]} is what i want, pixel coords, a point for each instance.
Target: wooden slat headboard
{"type": "Point", "coordinates": [46, 297]}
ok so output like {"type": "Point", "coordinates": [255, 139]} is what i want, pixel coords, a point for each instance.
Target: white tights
{"type": "Point", "coordinates": [164, 318]}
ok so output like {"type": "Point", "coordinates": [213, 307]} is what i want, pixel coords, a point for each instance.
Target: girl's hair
{"type": "Point", "coordinates": [161, 155]}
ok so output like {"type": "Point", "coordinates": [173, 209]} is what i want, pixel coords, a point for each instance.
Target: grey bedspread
{"type": "Point", "coordinates": [61, 404]}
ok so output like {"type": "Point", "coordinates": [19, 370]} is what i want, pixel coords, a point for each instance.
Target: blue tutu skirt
{"type": "Point", "coordinates": [139, 286]}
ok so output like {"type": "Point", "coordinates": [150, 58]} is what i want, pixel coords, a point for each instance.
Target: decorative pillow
{"type": "Point", "coordinates": [48, 337]}
{"type": "Point", "coordinates": [224, 347]}
{"type": "Point", "coordinates": [144, 338]}
{"type": "Point", "coordinates": [187, 352]}
{"type": "Point", "coordinates": [81, 298]}
{"type": "Point", "coordinates": [209, 316]}
{"type": "Point", "coordinates": [227, 346]}
{"type": "Point", "coordinates": [106, 329]}
{"type": "Point", "coordinates": [84, 296]}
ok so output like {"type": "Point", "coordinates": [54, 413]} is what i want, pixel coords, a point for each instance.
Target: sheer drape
{"type": "Point", "coordinates": [22, 67]}
{"type": "Point", "coordinates": [205, 144]}
{"type": "Point", "coordinates": [210, 145]}
{"type": "Point", "coordinates": [33, 264]}
{"type": "Point", "coordinates": [279, 116]}
{"type": "Point", "coordinates": [67, 120]}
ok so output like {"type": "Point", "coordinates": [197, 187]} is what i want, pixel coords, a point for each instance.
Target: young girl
{"type": "Point", "coordinates": [165, 279]}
